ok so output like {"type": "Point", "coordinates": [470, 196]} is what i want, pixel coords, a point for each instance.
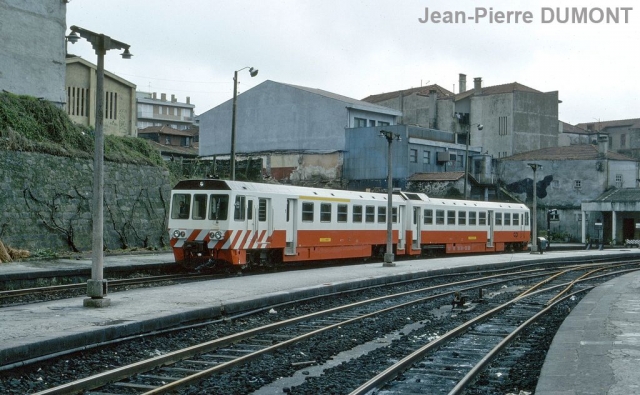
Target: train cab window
{"type": "Point", "coordinates": [462, 218]}
{"type": "Point", "coordinates": [482, 218]}
{"type": "Point", "coordinates": [451, 217]}
{"type": "Point", "coordinates": [439, 217]}
{"type": "Point", "coordinates": [240, 208]}
{"type": "Point", "coordinates": [472, 218]}
{"type": "Point", "coordinates": [262, 210]}
{"type": "Point", "coordinates": [325, 212]}
{"type": "Point", "coordinates": [428, 217]}
{"type": "Point", "coordinates": [498, 219]}
{"type": "Point", "coordinates": [394, 215]}
{"type": "Point", "coordinates": [199, 206]}
{"type": "Point", "coordinates": [382, 214]}
{"type": "Point", "coordinates": [516, 219]}
{"type": "Point", "coordinates": [343, 212]}
{"type": "Point", "coordinates": [357, 213]}
{"type": "Point", "coordinates": [180, 206]}
{"type": "Point", "coordinates": [507, 219]}
{"type": "Point", "coordinates": [219, 207]}
{"type": "Point", "coordinates": [370, 214]}
{"type": "Point", "coordinates": [307, 211]}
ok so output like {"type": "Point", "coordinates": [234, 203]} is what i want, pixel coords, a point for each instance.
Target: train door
{"type": "Point", "coordinates": [490, 230]}
{"type": "Point", "coordinates": [291, 227]}
{"type": "Point", "coordinates": [264, 225]}
{"type": "Point", "coordinates": [400, 210]}
{"type": "Point", "coordinates": [416, 228]}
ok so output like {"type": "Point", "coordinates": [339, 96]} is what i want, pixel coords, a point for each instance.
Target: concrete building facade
{"type": "Point", "coordinates": [33, 48]}
{"type": "Point", "coordinates": [119, 100]}
{"type": "Point", "coordinates": [285, 124]}
{"type": "Point", "coordinates": [624, 134]}
{"type": "Point", "coordinates": [569, 176]}
{"type": "Point", "coordinates": [158, 111]}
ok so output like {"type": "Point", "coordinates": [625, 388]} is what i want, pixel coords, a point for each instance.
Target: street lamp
{"type": "Point", "coordinates": [388, 256]}
{"type": "Point", "coordinates": [97, 285]}
{"type": "Point", "coordinates": [534, 239]}
{"type": "Point", "coordinates": [253, 72]}
{"type": "Point", "coordinates": [466, 156]}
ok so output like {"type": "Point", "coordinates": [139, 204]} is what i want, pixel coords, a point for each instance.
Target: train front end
{"type": "Point", "coordinates": [199, 223]}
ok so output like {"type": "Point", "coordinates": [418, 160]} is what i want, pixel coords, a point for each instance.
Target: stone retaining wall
{"type": "Point", "coordinates": [46, 201]}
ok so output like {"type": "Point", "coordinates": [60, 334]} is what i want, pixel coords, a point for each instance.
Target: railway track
{"type": "Point", "coordinates": [299, 342]}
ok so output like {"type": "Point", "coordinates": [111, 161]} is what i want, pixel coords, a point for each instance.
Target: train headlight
{"type": "Point", "coordinates": [179, 233]}
{"type": "Point", "coordinates": [215, 235]}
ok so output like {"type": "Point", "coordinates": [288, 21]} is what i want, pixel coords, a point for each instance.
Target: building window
{"type": "Point", "coordinates": [618, 180]}
{"type": "Point", "coordinates": [360, 122]}
{"type": "Point", "coordinates": [623, 140]}
{"type": "Point", "coordinates": [77, 101]}
{"type": "Point", "coordinates": [413, 155]}
{"type": "Point", "coordinates": [111, 105]}
{"type": "Point", "coordinates": [555, 184]}
{"type": "Point", "coordinates": [167, 140]}
{"type": "Point", "coordinates": [382, 123]}
{"type": "Point", "coordinates": [372, 122]}
{"type": "Point", "coordinates": [426, 157]}
{"type": "Point", "coordinates": [577, 184]}
{"type": "Point", "coordinates": [502, 126]}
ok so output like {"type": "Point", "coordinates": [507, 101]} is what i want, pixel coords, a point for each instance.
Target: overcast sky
{"type": "Point", "coordinates": [358, 48]}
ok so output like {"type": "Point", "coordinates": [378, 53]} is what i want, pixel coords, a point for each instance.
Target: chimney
{"type": "Point", "coordinates": [163, 96]}
{"type": "Point", "coordinates": [462, 82]}
{"type": "Point", "coordinates": [188, 100]}
{"type": "Point", "coordinates": [155, 95]}
{"type": "Point", "coordinates": [173, 99]}
{"type": "Point", "coordinates": [603, 145]}
{"type": "Point", "coordinates": [477, 85]}
{"type": "Point", "coordinates": [433, 97]}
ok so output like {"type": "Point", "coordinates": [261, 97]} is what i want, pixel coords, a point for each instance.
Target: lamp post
{"type": "Point", "coordinates": [466, 157]}
{"type": "Point", "coordinates": [534, 227]}
{"type": "Point", "coordinates": [388, 256]}
{"type": "Point", "coordinates": [253, 72]}
{"type": "Point", "coordinates": [97, 285]}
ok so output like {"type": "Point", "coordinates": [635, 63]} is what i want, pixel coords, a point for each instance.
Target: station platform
{"type": "Point", "coordinates": [34, 330]}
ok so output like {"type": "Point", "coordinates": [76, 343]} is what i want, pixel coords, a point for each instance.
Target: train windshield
{"type": "Point", "coordinates": [219, 207]}
{"type": "Point", "coordinates": [180, 206]}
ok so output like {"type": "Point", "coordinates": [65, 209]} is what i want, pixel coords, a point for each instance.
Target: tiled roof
{"type": "Point", "coordinates": [175, 149]}
{"type": "Point", "coordinates": [423, 90]}
{"type": "Point", "coordinates": [497, 89]}
{"type": "Point", "coordinates": [615, 195]}
{"type": "Point", "coordinates": [600, 125]}
{"type": "Point", "coordinates": [168, 130]}
{"type": "Point", "coordinates": [568, 128]}
{"type": "Point", "coordinates": [572, 152]}
{"type": "Point", "coordinates": [441, 176]}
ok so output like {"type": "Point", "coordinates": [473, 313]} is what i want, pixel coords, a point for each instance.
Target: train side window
{"type": "Point", "coordinates": [199, 206]}
{"type": "Point", "coordinates": [482, 218]}
{"type": "Point", "coordinates": [507, 219]}
{"type": "Point", "coordinates": [262, 210]}
{"type": "Point", "coordinates": [239, 208]}
{"type": "Point", "coordinates": [219, 207]}
{"type": "Point", "coordinates": [451, 217]}
{"type": "Point", "coordinates": [382, 214]}
{"type": "Point", "coordinates": [498, 219]}
{"type": "Point", "coordinates": [394, 215]}
{"type": "Point", "coordinates": [357, 213]}
{"type": "Point", "coordinates": [428, 217]}
{"type": "Point", "coordinates": [439, 217]}
{"type": "Point", "coordinates": [370, 214]}
{"type": "Point", "coordinates": [516, 219]}
{"type": "Point", "coordinates": [462, 218]}
{"type": "Point", "coordinates": [180, 206]}
{"type": "Point", "coordinates": [472, 218]}
{"type": "Point", "coordinates": [325, 212]}
{"type": "Point", "coordinates": [343, 212]}
{"type": "Point", "coordinates": [307, 211]}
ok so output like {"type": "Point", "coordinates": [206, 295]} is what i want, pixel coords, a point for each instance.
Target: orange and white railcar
{"type": "Point", "coordinates": [244, 223]}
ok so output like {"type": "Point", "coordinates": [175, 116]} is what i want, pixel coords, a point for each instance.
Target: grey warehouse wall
{"type": "Point", "coordinates": [46, 203]}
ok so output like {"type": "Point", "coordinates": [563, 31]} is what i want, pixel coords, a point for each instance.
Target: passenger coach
{"type": "Point", "coordinates": [244, 223]}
